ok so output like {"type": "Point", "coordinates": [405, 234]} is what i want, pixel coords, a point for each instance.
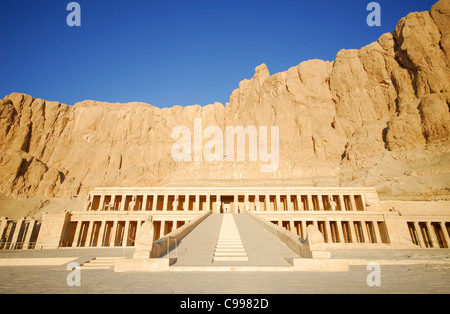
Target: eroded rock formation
{"type": "Point", "coordinates": [378, 116]}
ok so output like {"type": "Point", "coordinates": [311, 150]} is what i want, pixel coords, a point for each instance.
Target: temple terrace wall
{"type": "Point", "coordinates": [346, 217]}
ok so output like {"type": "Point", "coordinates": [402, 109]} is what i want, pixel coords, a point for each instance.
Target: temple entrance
{"type": "Point", "coordinates": [226, 204]}
{"type": "Point", "coordinates": [226, 208]}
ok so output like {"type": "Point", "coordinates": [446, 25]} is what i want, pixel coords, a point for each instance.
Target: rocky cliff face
{"type": "Point", "coordinates": [378, 116]}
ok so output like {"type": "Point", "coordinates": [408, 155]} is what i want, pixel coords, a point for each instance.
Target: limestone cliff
{"type": "Point", "coordinates": [378, 116]}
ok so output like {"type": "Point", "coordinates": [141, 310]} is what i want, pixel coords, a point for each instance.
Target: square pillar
{"type": "Point", "coordinates": [444, 231]}
{"type": "Point", "coordinates": [166, 198]}
{"type": "Point", "coordinates": [77, 234]}
{"type": "Point", "coordinates": [123, 202]}
{"type": "Point", "coordinates": [144, 202]}
{"type": "Point", "coordinates": [89, 234]}
{"type": "Point", "coordinates": [303, 231]}
{"type": "Point", "coordinates": [155, 202]}
{"type": "Point", "coordinates": [433, 238]}
{"type": "Point", "coordinates": [292, 226]}
{"type": "Point", "coordinates": [341, 204]}
{"type": "Point", "coordinates": [320, 201]}
{"type": "Point", "coordinates": [364, 228]}
{"type": "Point", "coordinates": [266, 202]}
{"type": "Point", "coordinates": [101, 205]}
{"type": "Point", "coordinates": [17, 231]}
{"type": "Point", "coordinates": [339, 230]}
{"type": "Point", "coordinates": [218, 203]}
{"type": "Point", "coordinates": [328, 231]}
{"type": "Point", "coordinates": [162, 230]}
{"type": "Point", "coordinates": [419, 235]}
{"type": "Point", "coordinates": [246, 202]}
{"type": "Point", "coordinates": [29, 233]}
{"type": "Point", "coordinates": [350, 231]}
{"type": "Point", "coordinates": [186, 202]}
{"type": "Point", "coordinates": [3, 224]}
{"type": "Point", "coordinates": [278, 202]}
{"type": "Point", "coordinates": [197, 202]}
{"type": "Point", "coordinates": [310, 202]}
{"type": "Point", "coordinates": [125, 233]}
{"type": "Point", "coordinates": [376, 230]}
{"type": "Point", "coordinates": [208, 200]}
{"type": "Point", "coordinates": [353, 203]}
{"type": "Point", "coordinates": [113, 235]}
{"type": "Point", "coordinates": [101, 233]}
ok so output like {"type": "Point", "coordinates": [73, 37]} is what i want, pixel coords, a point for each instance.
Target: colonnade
{"type": "Point", "coordinates": [339, 230]}
{"type": "Point", "coordinates": [430, 234]}
{"type": "Point", "coordinates": [18, 234]}
{"type": "Point", "coordinates": [235, 203]}
{"type": "Point", "coordinates": [113, 232]}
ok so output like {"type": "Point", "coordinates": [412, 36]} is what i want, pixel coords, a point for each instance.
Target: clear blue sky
{"type": "Point", "coordinates": [173, 52]}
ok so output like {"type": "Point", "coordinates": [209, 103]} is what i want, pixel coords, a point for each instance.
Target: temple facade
{"type": "Point", "coordinates": [346, 217]}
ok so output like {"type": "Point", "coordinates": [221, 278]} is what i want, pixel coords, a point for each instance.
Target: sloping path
{"type": "Point", "coordinates": [261, 247]}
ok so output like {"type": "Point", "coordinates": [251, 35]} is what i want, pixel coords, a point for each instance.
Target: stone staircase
{"type": "Point", "coordinates": [100, 263]}
{"type": "Point", "coordinates": [229, 247]}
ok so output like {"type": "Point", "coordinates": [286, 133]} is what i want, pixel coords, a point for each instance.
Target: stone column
{"type": "Point", "coordinates": [364, 230]}
{"type": "Point", "coordinates": [339, 230]}
{"type": "Point", "coordinates": [197, 202]}
{"type": "Point", "coordinates": [208, 201]}
{"type": "Point", "coordinates": [419, 235]}
{"type": "Point", "coordinates": [320, 201]}
{"type": "Point", "coordinates": [144, 202]}
{"type": "Point", "coordinates": [278, 203]}
{"type": "Point", "coordinates": [89, 234]}
{"type": "Point", "coordinates": [27, 236]}
{"type": "Point", "coordinates": [101, 233]}
{"type": "Point", "coordinates": [352, 201]}
{"type": "Point", "coordinates": [113, 233]}
{"type": "Point", "coordinates": [165, 202]}
{"type": "Point", "coordinates": [77, 234]}
{"type": "Point", "coordinates": [377, 232]}
{"type": "Point", "coordinates": [433, 238]}
{"type": "Point", "coordinates": [175, 203]}
{"type": "Point", "coordinates": [444, 232]}
{"type": "Point", "coordinates": [300, 203]}
{"type": "Point", "coordinates": [123, 202]}
{"type": "Point", "coordinates": [310, 202]}
{"type": "Point", "coordinates": [218, 203]}
{"type": "Point", "coordinates": [266, 202]}
{"type": "Point", "coordinates": [328, 231]}
{"type": "Point", "coordinates": [101, 204]}
{"type": "Point", "coordinates": [303, 231]}
{"type": "Point", "coordinates": [350, 232]}
{"type": "Point", "coordinates": [125, 233]}
{"type": "Point", "coordinates": [246, 202]}
{"type": "Point", "coordinates": [186, 202]}
{"type": "Point", "coordinates": [162, 230]}
{"type": "Point", "coordinates": [257, 203]}
{"type": "Point", "coordinates": [341, 202]}
{"type": "Point", "coordinates": [235, 204]}
{"type": "Point", "coordinates": [155, 202]}
{"type": "Point", "coordinates": [17, 231]}
{"type": "Point", "coordinates": [292, 226]}
{"type": "Point", "coordinates": [3, 224]}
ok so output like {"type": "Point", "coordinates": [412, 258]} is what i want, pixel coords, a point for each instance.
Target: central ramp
{"type": "Point", "coordinates": [231, 240]}
{"type": "Point", "coordinates": [229, 246]}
